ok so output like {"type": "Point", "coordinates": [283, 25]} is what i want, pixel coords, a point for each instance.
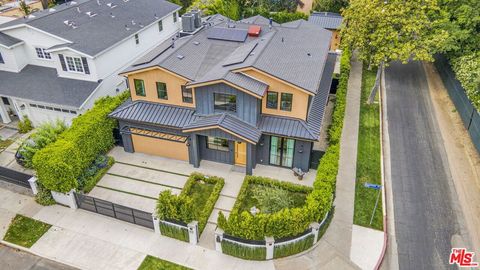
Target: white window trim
{"type": "Point", "coordinates": [43, 53]}
{"type": "Point", "coordinates": [74, 63]}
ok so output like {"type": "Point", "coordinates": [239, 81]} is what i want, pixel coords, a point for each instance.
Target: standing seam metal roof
{"type": "Point", "coordinates": [285, 126]}
{"type": "Point", "coordinates": [327, 20]}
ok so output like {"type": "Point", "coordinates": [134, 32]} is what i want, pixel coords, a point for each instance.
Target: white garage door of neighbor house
{"type": "Point", "coordinates": [39, 116]}
{"type": "Point", "coordinates": [159, 147]}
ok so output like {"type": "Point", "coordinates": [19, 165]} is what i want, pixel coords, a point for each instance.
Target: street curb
{"type": "Point", "coordinates": [382, 168]}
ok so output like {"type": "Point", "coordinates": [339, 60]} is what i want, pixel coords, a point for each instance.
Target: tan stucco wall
{"type": "Point", "coordinates": [335, 41]}
{"type": "Point", "coordinates": [299, 101]}
{"type": "Point", "coordinates": [150, 77]}
{"type": "Point", "coordinates": [158, 147]}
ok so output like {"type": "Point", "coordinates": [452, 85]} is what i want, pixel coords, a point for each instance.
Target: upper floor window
{"type": "Point", "coordinates": [41, 53]}
{"type": "Point", "coordinates": [286, 102]}
{"type": "Point", "coordinates": [187, 95]}
{"type": "Point", "coordinates": [272, 100]}
{"type": "Point", "coordinates": [74, 64]}
{"type": "Point", "coordinates": [137, 39]}
{"type": "Point", "coordinates": [219, 144]}
{"type": "Point", "coordinates": [160, 26]}
{"type": "Point", "coordinates": [1, 59]}
{"type": "Point", "coordinates": [162, 90]}
{"type": "Point", "coordinates": [225, 102]}
{"type": "Point", "coordinates": [139, 87]}
{"type": "Point", "coordinates": [175, 17]}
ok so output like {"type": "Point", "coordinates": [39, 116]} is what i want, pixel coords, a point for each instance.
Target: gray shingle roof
{"type": "Point", "coordinates": [327, 20]}
{"type": "Point", "coordinates": [155, 113]}
{"type": "Point", "coordinates": [93, 35]}
{"type": "Point", "coordinates": [7, 40]}
{"type": "Point", "coordinates": [317, 108]}
{"type": "Point", "coordinates": [228, 122]}
{"type": "Point", "coordinates": [259, 19]}
{"type": "Point", "coordinates": [42, 84]}
{"type": "Point", "coordinates": [286, 126]}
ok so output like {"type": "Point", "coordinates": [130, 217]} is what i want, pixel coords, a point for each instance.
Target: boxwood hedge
{"type": "Point", "coordinates": [59, 165]}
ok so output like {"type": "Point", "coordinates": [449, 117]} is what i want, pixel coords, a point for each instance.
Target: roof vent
{"type": "Point", "coordinates": [31, 16]}
{"type": "Point", "coordinates": [98, 2]}
{"type": "Point", "coordinates": [156, 17]}
{"type": "Point", "coordinates": [125, 1]}
{"type": "Point", "coordinates": [52, 10]}
{"type": "Point", "coordinates": [309, 54]}
{"type": "Point", "coordinates": [73, 3]}
{"type": "Point", "coordinates": [141, 25]}
{"type": "Point", "coordinates": [127, 28]}
{"type": "Point", "coordinates": [78, 10]}
{"type": "Point", "coordinates": [133, 22]}
{"type": "Point", "coordinates": [91, 14]}
{"type": "Point", "coordinates": [70, 23]}
{"type": "Point", "coordinates": [111, 5]}
{"type": "Point", "coordinates": [196, 42]}
{"type": "Point", "coordinates": [180, 56]}
{"type": "Point", "coordinates": [111, 15]}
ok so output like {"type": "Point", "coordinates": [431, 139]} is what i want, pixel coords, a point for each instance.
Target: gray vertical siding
{"type": "Point", "coordinates": [248, 107]}
{"type": "Point", "coordinates": [215, 155]}
{"type": "Point", "coordinates": [262, 150]}
{"type": "Point", "coordinates": [301, 157]}
{"type": "Point", "coordinates": [194, 151]}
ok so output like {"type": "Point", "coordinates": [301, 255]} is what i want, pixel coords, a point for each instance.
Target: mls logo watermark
{"type": "Point", "coordinates": [462, 258]}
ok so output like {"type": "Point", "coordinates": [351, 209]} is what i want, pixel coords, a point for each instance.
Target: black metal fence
{"type": "Point", "coordinates": [470, 116]}
{"type": "Point", "coordinates": [114, 210]}
{"type": "Point", "coordinates": [14, 177]}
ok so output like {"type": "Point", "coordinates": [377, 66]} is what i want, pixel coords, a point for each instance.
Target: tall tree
{"type": "Point", "coordinates": [388, 30]}
{"type": "Point", "coordinates": [329, 5]}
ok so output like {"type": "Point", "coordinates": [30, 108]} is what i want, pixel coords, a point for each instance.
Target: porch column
{"type": "Point", "coordinates": [195, 151]}
{"type": "Point", "coordinates": [4, 114]}
{"type": "Point", "coordinates": [250, 159]}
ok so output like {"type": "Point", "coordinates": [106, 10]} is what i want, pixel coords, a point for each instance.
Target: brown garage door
{"type": "Point", "coordinates": [159, 147]}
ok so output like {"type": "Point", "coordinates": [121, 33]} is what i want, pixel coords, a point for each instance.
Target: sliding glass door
{"type": "Point", "coordinates": [281, 151]}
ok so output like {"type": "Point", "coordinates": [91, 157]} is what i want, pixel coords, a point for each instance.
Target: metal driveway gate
{"type": "Point", "coordinates": [114, 210]}
{"type": "Point", "coordinates": [15, 177]}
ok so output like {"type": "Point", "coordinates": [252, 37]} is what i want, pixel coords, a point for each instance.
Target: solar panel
{"type": "Point", "coordinates": [240, 54]}
{"type": "Point", "coordinates": [228, 34]}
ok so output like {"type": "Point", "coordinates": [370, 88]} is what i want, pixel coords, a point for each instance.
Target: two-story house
{"type": "Point", "coordinates": [55, 63]}
{"type": "Point", "coordinates": [242, 93]}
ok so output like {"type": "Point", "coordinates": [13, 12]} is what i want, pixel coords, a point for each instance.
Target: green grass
{"type": "Point", "coordinates": [200, 192]}
{"type": "Point", "coordinates": [249, 201]}
{"type": "Point", "coordinates": [368, 158]}
{"type": "Point", "coordinates": [153, 263]}
{"type": "Point", "coordinates": [24, 231]}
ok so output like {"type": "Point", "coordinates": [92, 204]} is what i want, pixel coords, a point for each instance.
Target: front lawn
{"type": "Point", "coordinates": [200, 192]}
{"type": "Point", "coordinates": [24, 231]}
{"type": "Point", "coordinates": [368, 158]}
{"type": "Point", "coordinates": [153, 263]}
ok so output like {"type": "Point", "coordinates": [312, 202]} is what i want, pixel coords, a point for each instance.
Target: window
{"type": "Point", "coordinates": [225, 102]}
{"type": "Point", "coordinates": [286, 102]}
{"type": "Point", "coordinates": [217, 144]}
{"type": "Point", "coordinates": [160, 26]}
{"type": "Point", "coordinates": [1, 59]}
{"type": "Point", "coordinates": [139, 87]}
{"type": "Point", "coordinates": [49, 108]}
{"type": "Point", "coordinates": [41, 53]}
{"type": "Point", "coordinates": [187, 95]}
{"type": "Point", "coordinates": [5, 101]}
{"type": "Point", "coordinates": [137, 39]}
{"type": "Point", "coordinates": [162, 90]}
{"type": "Point", "coordinates": [281, 151]}
{"type": "Point", "coordinates": [74, 64]}
{"type": "Point", "coordinates": [272, 100]}
{"type": "Point", "coordinates": [175, 17]}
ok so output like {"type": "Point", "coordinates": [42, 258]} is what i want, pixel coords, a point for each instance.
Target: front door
{"type": "Point", "coordinates": [240, 153]}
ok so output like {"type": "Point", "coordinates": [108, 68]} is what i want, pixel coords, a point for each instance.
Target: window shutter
{"type": "Point", "coordinates": [62, 62]}
{"type": "Point", "coordinates": [85, 65]}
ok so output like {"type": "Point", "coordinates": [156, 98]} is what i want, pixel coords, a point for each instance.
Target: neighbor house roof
{"type": "Point", "coordinates": [8, 41]}
{"type": "Point", "coordinates": [227, 123]}
{"type": "Point", "coordinates": [91, 34]}
{"type": "Point", "coordinates": [327, 20]}
{"type": "Point", "coordinates": [42, 84]}
{"type": "Point", "coordinates": [154, 113]}
{"type": "Point", "coordinates": [295, 54]}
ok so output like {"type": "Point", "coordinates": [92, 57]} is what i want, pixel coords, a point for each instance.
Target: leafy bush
{"type": "Point", "coordinates": [170, 206]}
{"type": "Point", "coordinates": [293, 248]}
{"type": "Point", "coordinates": [174, 232]}
{"type": "Point", "coordinates": [244, 252]}
{"type": "Point", "coordinates": [467, 71]}
{"type": "Point", "coordinates": [25, 125]}
{"type": "Point", "coordinates": [61, 163]}
{"type": "Point", "coordinates": [44, 196]}
{"type": "Point", "coordinates": [94, 173]}
{"type": "Point", "coordinates": [45, 134]}
{"type": "Point", "coordinates": [272, 200]}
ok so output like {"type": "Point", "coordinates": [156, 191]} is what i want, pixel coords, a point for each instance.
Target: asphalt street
{"type": "Point", "coordinates": [426, 218]}
{"type": "Point", "coordinates": [13, 259]}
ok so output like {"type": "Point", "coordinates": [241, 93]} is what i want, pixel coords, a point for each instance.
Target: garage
{"type": "Point", "coordinates": [169, 148]}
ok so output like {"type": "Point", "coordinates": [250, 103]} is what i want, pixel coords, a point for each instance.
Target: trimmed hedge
{"type": "Point", "coordinates": [174, 232]}
{"type": "Point", "coordinates": [61, 163]}
{"type": "Point", "coordinates": [100, 170]}
{"type": "Point", "coordinates": [181, 207]}
{"type": "Point", "coordinates": [293, 248]}
{"type": "Point", "coordinates": [244, 252]}
{"type": "Point", "coordinates": [294, 221]}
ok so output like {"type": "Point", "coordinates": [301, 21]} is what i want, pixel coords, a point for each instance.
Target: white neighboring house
{"type": "Point", "coordinates": [55, 63]}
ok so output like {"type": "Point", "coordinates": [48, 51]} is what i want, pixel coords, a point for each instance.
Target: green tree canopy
{"type": "Point", "coordinates": [389, 30]}
{"type": "Point", "coordinates": [329, 5]}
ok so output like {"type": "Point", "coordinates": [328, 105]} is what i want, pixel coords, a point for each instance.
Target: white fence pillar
{"type": "Point", "coordinates": [156, 224]}
{"type": "Point", "coordinates": [67, 199]}
{"type": "Point", "coordinates": [269, 243]}
{"type": "Point", "coordinates": [315, 229]}
{"type": "Point", "coordinates": [193, 232]}
{"type": "Point", "coordinates": [33, 185]}
{"type": "Point", "coordinates": [218, 239]}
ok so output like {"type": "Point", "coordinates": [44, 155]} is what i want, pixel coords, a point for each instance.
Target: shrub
{"type": "Point", "coordinates": [170, 206]}
{"type": "Point", "coordinates": [94, 173]}
{"type": "Point", "coordinates": [174, 232]}
{"type": "Point", "coordinates": [25, 125]}
{"type": "Point", "coordinates": [45, 134]}
{"type": "Point", "coordinates": [272, 199]}
{"type": "Point", "coordinates": [44, 196]}
{"type": "Point", "coordinates": [244, 252]}
{"type": "Point", "coordinates": [61, 163]}
{"type": "Point", "coordinates": [293, 248]}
